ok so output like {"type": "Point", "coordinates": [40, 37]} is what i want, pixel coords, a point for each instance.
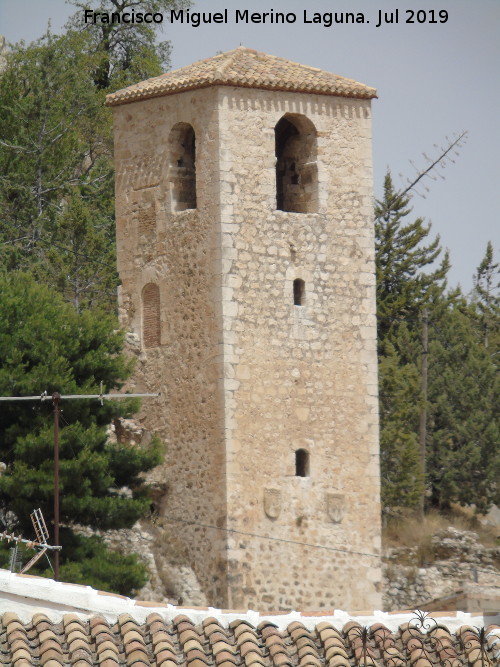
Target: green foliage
{"type": "Point", "coordinates": [401, 255]}
{"type": "Point", "coordinates": [45, 344]}
{"type": "Point", "coordinates": [486, 300]}
{"type": "Point", "coordinates": [55, 152]}
{"type": "Point", "coordinates": [125, 53]}
{"type": "Point", "coordinates": [93, 565]}
{"type": "Point", "coordinates": [57, 225]}
{"type": "Point", "coordinates": [463, 427]}
{"type": "Point", "coordinates": [402, 483]}
{"type": "Point", "coordinates": [56, 166]}
{"type": "Point", "coordinates": [86, 276]}
{"type": "Point", "coordinates": [464, 422]}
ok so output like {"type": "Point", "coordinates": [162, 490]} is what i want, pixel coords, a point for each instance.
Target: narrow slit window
{"type": "Point", "coordinates": [299, 289]}
{"type": "Point", "coordinates": [301, 463]}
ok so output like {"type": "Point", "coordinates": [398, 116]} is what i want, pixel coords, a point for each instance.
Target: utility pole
{"type": "Point", "coordinates": [56, 398]}
{"type": "Point", "coordinates": [422, 429]}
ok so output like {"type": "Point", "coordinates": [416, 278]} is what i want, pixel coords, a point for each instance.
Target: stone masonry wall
{"type": "Point", "coordinates": [299, 377]}
{"type": "Point", "coordinates": [247, 378]}
{"type": "Point", "coordinates": [458, 558]}
{"type": "Point", "coordinates": [177, 253]}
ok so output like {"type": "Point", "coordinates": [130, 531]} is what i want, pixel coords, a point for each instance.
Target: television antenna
{"type": "Point", "coordinates": [40, 545]}
{"type": "Point", "coordinates": [56, 398]}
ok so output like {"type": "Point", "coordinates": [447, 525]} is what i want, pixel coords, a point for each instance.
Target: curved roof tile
{"type": "Point", "coordinates": [358, 645]}
{"type": "Point", "coordinates": [244, 68]}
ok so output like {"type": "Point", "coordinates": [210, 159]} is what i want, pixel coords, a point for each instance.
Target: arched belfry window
{"type": "Point", "coordinates": [299, 292]}
{"type": "Point", "coordinates": [296, 165]}
{"type": "Point", "coordinates": [151, 331]}
{"type": "Point", "coordinates": [182, 172]}
{"type": "Point", "coordinates": [301, 463]}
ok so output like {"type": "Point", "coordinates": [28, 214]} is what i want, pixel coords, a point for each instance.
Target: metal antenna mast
{"type": "Point", "coordinates": [42, 535]}
{"type": "Point", "coordinates": [56, 398]}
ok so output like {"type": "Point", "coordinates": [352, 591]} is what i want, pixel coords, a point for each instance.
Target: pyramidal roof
{"type": "Point", "coordinates": [244, 68]}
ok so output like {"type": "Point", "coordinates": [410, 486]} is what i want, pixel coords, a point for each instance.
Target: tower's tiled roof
{"type": "Point", "coordinates": [156, 642]}
{"type": "Point", "coordinates": [244, 68]}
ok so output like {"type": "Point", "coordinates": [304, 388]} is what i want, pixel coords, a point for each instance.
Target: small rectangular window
{"type": "Point", "coordinates": [299, 288]}
{"type": "Point", "coordinates": [302, 463]}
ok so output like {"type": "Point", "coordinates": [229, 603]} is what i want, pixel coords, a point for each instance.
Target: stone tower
{"type": "Point", "coordinates": [246, 256]}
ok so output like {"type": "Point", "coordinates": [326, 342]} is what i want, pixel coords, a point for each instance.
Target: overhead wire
{"type": "Point", "coordinates": [273, 539]}
{"type": "Point", "coordinates": [263, 537]}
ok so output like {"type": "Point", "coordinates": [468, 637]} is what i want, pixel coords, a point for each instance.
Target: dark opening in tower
{"type": "Point", "coordinates": [182, 173]}
{"type": "Point", "coordinates": [296, 165]}
{"type": "Point", "coordinates": [301, 463]}
{"type": "Point", "coordinates": [299, 292]}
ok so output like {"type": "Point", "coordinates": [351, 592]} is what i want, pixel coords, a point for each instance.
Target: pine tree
{"type": "Point", "coordinates": [403, 290]}
{"type": "Point", "coordinates": [124, 52]}
{"type": "Point", "coordinates": [464, 421]}
{"type": "Point", "coordinates": [79, 261]}
{"type": "Point", "coordinates": [401, 255]}
{"type": "Point", "coordinates": [402, 483]}
{"type": "Point", "coordinates": [486, 300]}
{"type": "Point", "coordinates": [56, 147]}
{"type": "Point", "coordinates": [45, 344]}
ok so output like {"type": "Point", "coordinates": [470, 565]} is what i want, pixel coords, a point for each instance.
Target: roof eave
{"type": "Point", "coordinates": [119, 98]}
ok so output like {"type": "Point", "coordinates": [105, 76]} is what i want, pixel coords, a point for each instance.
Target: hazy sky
{"type": "Point", "coordinates": [434, 80]}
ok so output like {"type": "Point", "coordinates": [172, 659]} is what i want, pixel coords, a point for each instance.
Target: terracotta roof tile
{"type": "Point", "coordinates": [79, 655]}
{"type": "Point", "coordinates": [13, 625]}
{"type": "Point", "coordinates": [339, 661]}
{"type": "Point", "coordinates": [40, 617]}
{"type": "Point", "coordinates": [104, 638]}
{"type": "Point", "coordinates": [197, 662]}
{"type": "Point", "coordinates": [244, 634]}
{"type": "Point", "coordinates": [165, 658]}
{"type": "Point", "coordinates": [20, 653]}
{"type": "Point", "coordinates": [78, 644]}
{"type": "Point", "coordinates": [132, 635]}
{"type": "Point", "coordinates": [161, 643]}
{"type": "Point", "coordinates": [190, 633]}
{"type": "Point", "coordinates": [254, 658]}
{"type": "Point", "coordinates": [240, 623]}
{"type": "Point", "coordinates": [244, 630]}
{"type": "Point", "coordinates": [192, 645]}
{"type": "Point", "coordinates": [51, 644]}
{"type": "Point", "coordinates": [159, 633]}
{"type": "Point", "coordinates": [166, 652]}
{"type": "Point", "coordinates": [244, 68]}
{"type": "Point", "coordinates": [248, 646]}
{"type": "Point", "coordinates": [223, 656]}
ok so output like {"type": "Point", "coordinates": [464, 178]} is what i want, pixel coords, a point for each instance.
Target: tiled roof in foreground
{"type": "Point", "coordinates": [126, 641]}
{"type": "Point", "coordinates": [43, 622]}
{"type": "Point", "coordinates": [245, 68]}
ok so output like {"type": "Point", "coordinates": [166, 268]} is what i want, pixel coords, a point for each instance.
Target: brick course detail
{"type": "Point", "coordinates": [151, 315]}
